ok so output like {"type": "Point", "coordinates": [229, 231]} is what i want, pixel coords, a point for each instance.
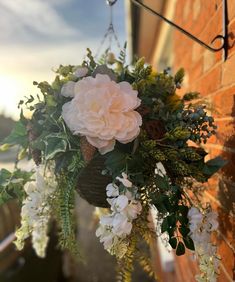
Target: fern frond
{"type": "Point", "coordinates": [146, 265]}
{"type": "Point", "coordinates": [125, 266]}
{"type": "Point", "coordinates": [122, 55]}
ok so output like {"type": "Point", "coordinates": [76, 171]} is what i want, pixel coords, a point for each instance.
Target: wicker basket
{"type": "Point", "coordinates": [91, 183]}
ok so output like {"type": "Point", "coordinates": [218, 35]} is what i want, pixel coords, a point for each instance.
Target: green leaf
{"type": "Point", "coordinates": [183, 219]}
{"type": "Point", "coordinates": [161, 182]}
{"type": "Point", "coordinates": [116, 161]}
{"type": "Point", "coordinates": [11, 184]}
{"type": "Point", "coordinates": [184, 230]}
{"type": "Point", "coordinates": [172, 220]}
{"type": "Point", "coordinates": [190, 96]}
{"type": "Point", "coordinates": [4, 176]}
{"type": "Point", "coordinates": [183, 210]}
{"type": "Point", "coordinates": [18, 135]}
{"type": "Point", "coordinates": [179, 76]}
{"type": "Point", "coordinates": [55, 144]}
{"type": "Point", "coordinates": [189, 243]}
{"type": "Point", "coordinates": [212, 166]}
{"type": "Point", "coordinates": [165, 225]}
{"type": "Point", "coordinates": [180, 250]}
{"type": "Point", "coordinates": [173, 242]}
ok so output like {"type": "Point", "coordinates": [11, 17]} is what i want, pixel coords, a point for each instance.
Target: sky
{"type": "Point", "coordinates": [38, 35]}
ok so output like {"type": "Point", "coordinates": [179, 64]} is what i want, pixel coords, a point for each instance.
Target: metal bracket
{"type": "Point", "coordinates": [223, 37]}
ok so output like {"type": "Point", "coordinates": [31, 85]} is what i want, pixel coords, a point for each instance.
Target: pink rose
{"type": "Point", "coordinates": [103, 111]}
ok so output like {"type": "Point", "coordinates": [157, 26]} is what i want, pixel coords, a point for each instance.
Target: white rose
{"type": "Point", "coordinates": [103, 111]}
{"type": "Point", "coordinates": [67, 89]}
{"type": "Point", "coordinates": [81, 71]}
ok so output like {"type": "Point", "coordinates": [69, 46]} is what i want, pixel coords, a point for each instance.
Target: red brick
{"type": "Point", "coordinates": [223, 103]}
{"type": "Point", "coordinates": [231, 9]}
{"type": "Point", "coordinates": [195, 71]}
{"type": "Point", "coordinates": [225, 133]}
{"type": "Point", "coordinates": [223, 276]}
{"type": "Point", "coordinates": [197, 5]}
{"type": "Point", "coordinates": [227, 257]}
{"type": "Point", "coordinates": [215, 80]}
{"type": "Point", "coordinates": [209, 9]}
{"type": "Point", "coordinates": [228, 170]}
{"type": "Point", "coordinates": [228, 71]}
{"type": "Point", "coordinates": [231, 37]}
{"type": "Point", "coordinates": [209, 83]}
{"type": "Point", "coordinates": [186, 267]}
{"type": "Point", "coordinates": [213, 28]}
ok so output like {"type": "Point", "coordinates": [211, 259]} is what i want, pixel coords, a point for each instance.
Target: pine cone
{"type": "Point", "coordinates": [143, 110]}
{"type": "Point", "coordinates": [155, 129]}
{"type": "Point", "coordinates": [87, 149]}
{"type": "Point", "coordinates": [36, 153]}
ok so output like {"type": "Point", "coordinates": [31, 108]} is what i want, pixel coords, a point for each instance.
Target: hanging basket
{"type": "Point", "coordinates": [91, 183]}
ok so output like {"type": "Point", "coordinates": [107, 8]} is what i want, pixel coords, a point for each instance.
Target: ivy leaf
{"type": "Point", "coordinates": [4, 176]}
{"type": "Point", "coordinates": [54, 144]}
{"type": "Point", "coordinates": [18, 135]}
{"type": "Point", "coordinates": [11, 184]}
{"type": "Point", "coordinates": [173, 242]}
{"type": "Point", "coordinates": [189, 243]}
{"type": "Point", "coordinates": [180, 250]}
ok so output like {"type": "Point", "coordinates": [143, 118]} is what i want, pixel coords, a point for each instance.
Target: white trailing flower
{"type": "Point", "coordinates": [102, 110]}
{"type": "Point", "coordinates": [35, 212]}
{"type": "Point", "coordinates": [124, 180]}
{"type": "Point", "coordinates": [117, 225]}
{"type": "Point", "coordinates": [201, 227]}
{"type": "Point", "coordinates": [160, 169]}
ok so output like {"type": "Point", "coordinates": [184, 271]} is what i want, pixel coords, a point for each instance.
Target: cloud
{"type": "Point", "coordinates": [30, 63]}
{"type": "Point", "coordinates": [21, 18]}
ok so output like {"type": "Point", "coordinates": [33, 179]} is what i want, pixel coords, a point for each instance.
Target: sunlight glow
{"type": "Point", "coordinates": [11, 91]}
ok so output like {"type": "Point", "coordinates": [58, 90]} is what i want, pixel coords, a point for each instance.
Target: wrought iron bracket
{"type": "Point", "coordinates": [223, 38]}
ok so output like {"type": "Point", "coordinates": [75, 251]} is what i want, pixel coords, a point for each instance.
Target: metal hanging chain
{"type": "Point", "coordinates": [110, 33]}
{"type": "Point", "coordinates": [222, 37]}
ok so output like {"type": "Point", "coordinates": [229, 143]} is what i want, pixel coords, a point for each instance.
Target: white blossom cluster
{"type": "Point", "coordinates": [115, 227]}
{"type": "Point", "coordinates": [35, 212]}
{"type": "Point", "coordinates": [201, 227]}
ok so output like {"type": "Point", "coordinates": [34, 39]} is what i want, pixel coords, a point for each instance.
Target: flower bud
{"type": "Point", "coordinates": [5, 147]}
{"type": "Point", "coordinates": [110, 58]}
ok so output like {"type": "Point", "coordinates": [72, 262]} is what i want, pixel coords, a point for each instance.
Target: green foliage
{"type": "Point", "coordinates": [146, 264]}
{"type": "Point", "coordinates": [18, 135]}
{"type": "Point", "coordinates": [213, 165]}
{"type": "Point", "coordinates": [179, 76]}
{"type": "Point", "coordinates": [12, 183]}
{"type": "Point", "coordinates": [55, 143]}
{"type": "Point", "coordinates": [122, 55]}
{"type": "Point", "coordinates": [125, 266]}
{"type": "Point", "coordinates": [178, 133]}
{"type": "Point", "coordinates": [176, 225]}
{"type": "Point", "coordinates": [169, 122]}
{"type": "Point", "coordinates": [116, 162]}
{"type": "Point", "coordinates": [190, 96]}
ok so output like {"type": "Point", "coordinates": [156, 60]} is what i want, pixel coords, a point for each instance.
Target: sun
{"type": "Point", "coordinates": [11, 91]}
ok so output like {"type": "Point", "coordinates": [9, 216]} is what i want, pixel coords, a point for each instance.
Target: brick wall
{"type": "Point", "coordinates": [215, 80]}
